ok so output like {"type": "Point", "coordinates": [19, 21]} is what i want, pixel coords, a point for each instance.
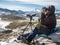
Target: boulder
{"type": "Point", "coordinates": [2, 31]}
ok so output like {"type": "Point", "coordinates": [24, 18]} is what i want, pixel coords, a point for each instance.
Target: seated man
{"type": "Point", "coordinates": [46, 23]}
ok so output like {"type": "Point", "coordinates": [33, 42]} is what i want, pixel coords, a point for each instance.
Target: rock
{"type": "Point", "coordinates": [3, 43]}
{"type": "Point", "coordinates": [14, 43]}
{"type": "Point", "coordinates": [7, 31]}
{"type": "Point", "coordinates": [56, 36]}
{"type": "Point", "coordinates": [4, 31]}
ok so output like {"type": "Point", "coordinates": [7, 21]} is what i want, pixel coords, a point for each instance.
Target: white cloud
{"type": "Point", "coordinates": [42, 2]}
{"type": "Point", "coordinates": [8, 0]}
{"type": "Point", "coordinates": [39, 2]}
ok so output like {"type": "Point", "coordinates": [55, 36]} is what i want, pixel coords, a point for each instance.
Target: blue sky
{"type": "Point", "coordinates": [28, 4]}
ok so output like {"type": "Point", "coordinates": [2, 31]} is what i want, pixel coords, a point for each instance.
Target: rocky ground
{"type": "Point", "coordinates": [9, 39]}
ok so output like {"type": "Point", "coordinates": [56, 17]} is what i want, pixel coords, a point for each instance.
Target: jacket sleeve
{"type": "Point", "coordinates": [47, 21]}
{"type": "Point", "coordinates": [42, 19]}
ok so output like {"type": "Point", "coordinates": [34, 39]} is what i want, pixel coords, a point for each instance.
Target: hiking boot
{"type": "Point", "coordinates": [19, 38]}
{"type": "Point", "coordinates": [25, 40]}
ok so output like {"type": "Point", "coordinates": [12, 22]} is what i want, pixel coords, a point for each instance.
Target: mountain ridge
{"type": "Point", "coordinates": [11, 11]}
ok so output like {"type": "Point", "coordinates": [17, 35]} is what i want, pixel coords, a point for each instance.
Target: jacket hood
{"type": "Point", "coordinates": [51, 8]}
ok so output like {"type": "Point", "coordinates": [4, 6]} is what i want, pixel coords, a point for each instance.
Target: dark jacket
{"type": "Point", "coordinates": [49, 21]}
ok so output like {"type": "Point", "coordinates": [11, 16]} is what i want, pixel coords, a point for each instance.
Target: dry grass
{"type": "Point", "coordinates": [20, 23]}
{"type": "Point", "coordinates": [14, 25]}
{"type": "Point", "coordinates": [5, 36]}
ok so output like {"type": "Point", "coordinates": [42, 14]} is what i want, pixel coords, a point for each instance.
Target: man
{"type": "Point", "coordinates": [46, 23]}
{"type": "Point", "coordinates": [50, 19]}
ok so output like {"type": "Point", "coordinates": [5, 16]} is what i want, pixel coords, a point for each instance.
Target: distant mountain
{"type": "Point", "coordinates": [23, 13]}
{"type": "Point", "coordinates": [19, 12]}
{"type": "Point", "coordinates": [7, 14]}
{"type": "Point", "coordinates": [12, 17]}
{"type": "Point", "coordinates": [7, 11]}
{"type": "Point", "coordinates": [57, 10]}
